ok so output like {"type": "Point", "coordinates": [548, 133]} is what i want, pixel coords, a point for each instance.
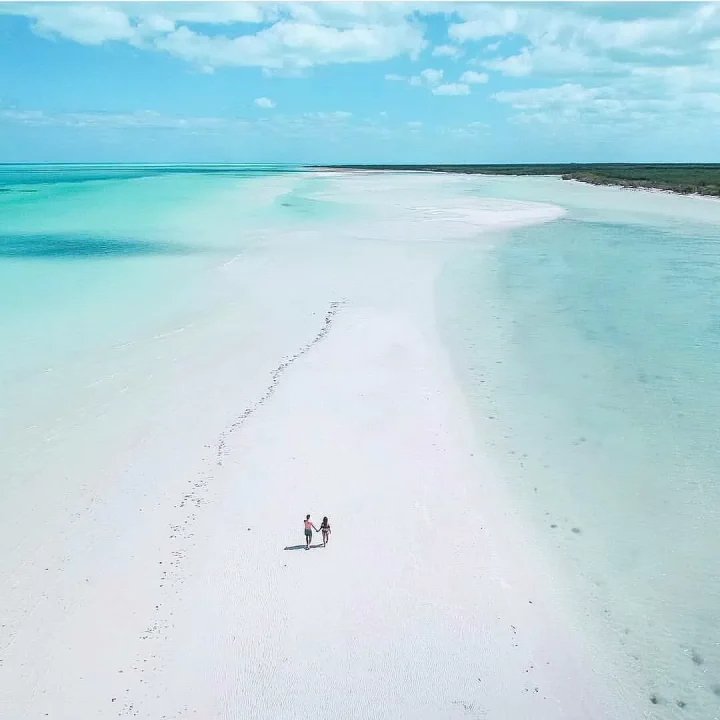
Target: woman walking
{"type": "Point", "coordinates": [325, 529]}
{"type": "Point", "coordinates": [309, 527]}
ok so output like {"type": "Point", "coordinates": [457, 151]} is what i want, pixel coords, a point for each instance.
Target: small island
{"type": "Point", "coordinates": [685, 179]}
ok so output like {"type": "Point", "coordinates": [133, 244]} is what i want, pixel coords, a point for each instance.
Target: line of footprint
{"type": "Point", "coordinates": [170, 573]}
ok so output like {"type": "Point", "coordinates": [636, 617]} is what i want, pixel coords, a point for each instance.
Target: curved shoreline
{"type": "Point", "coordinates": [692, 180]}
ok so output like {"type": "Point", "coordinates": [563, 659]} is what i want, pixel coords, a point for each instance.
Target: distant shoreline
{"type": "Point", "coordinates": [681, 179]}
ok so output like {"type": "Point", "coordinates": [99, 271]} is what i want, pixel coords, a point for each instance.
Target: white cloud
{"type": "Point", "coordinates": [451, 51]}
{"type": "Point", "coordinates": [470, 132]}
{"type": "Point", "coordinates": [147, 119]}
{"type": "Point", "coordinates": [618, 106]}
{"type": "Point", "coordinates": [297, 36]}
{"type": "Point", "coordinates": [680, 77]}
{"type": "Point", "coordinates": [414, 124]}
{"type": "Point", "coordinates": [470, 77]}
{"type": "Point", "coordinates": [431, 76]}
{"type": "Point", "coordinates": [265, 103]}
{"type": "Point", "coordinates": [25, 117]}
{"type": "Point", "coordinates": [328, 117]}
{"type": "Point", "coordinates": [84, 23]}
{"type": "Point", "coordinates": [518, 65]}
{"type": "Point", "coordinates": [338, 115]}
{"type": "Point", "coordinates": [486, 21]}
{"type": "Point", "coordinates": [554, 60]}
{"type": "Point", "coordinates": [287, 45]}
{"type": "Point", "coordinates": [569, 94]}
{"type": "Point", "coordinates": [562, 40]}
{"type": "Point", "coordinates": [350, 14]}
{"type": "Point", "coordinates": [214, 13]}
{"type": "Point", "coordinates": [650, 69]}
{"type": "Point", "coordinates": [373, 127]}
{"type": "Point", "coordinates": [452, 89]}
{"type": "Point", "coordinates": [296, 125]}
{"type": "Point", "coordinates": [338, 123]}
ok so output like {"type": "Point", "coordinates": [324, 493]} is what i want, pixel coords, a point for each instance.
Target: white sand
{"type": "Point", "coordinates": [143, 564]}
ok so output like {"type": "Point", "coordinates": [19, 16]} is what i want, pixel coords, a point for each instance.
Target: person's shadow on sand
{"type": "Point", "coordinates": [302, 547]}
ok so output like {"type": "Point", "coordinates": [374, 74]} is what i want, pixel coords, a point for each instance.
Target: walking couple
{"type": "Point", "coordinates": [309, 527]}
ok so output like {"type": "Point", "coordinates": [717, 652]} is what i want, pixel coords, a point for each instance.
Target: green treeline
{"type": "Point", "coordinates": [679, 178]}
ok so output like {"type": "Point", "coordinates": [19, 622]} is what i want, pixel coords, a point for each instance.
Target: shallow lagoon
{"type": "Point", "coordinates": [597, 383]}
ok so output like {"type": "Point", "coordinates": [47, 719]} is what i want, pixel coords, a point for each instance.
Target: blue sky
{"type": "Point", "coordinates": [360, 82]}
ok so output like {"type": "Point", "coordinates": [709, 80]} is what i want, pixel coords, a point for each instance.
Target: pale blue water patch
{"type": "Point", "coordinates": [308, 202]}
{"type": "Point", "coordinates": [592, 202]}
{"type": "Point", "coordinates": [97, 265]}
{"type": "Point", "coordinates": [589, 347]}
{"type": "Point", "coordinates": [94, 256]}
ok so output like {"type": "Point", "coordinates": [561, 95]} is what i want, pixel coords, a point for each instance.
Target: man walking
{"type": "Point", "coordinates": [309, 527]}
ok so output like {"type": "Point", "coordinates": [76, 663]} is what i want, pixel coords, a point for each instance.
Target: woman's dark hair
{"type": "Point", "coordinates": [325, 520]}
{"type": "Point", "coordinates": [307, 517]}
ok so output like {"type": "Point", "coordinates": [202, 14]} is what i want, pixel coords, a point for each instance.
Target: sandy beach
{"type": "Point", "coordinates": [151, 551]}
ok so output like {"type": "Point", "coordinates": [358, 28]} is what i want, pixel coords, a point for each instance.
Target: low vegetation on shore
{"type": "Point", "coordinates": [684, 179]}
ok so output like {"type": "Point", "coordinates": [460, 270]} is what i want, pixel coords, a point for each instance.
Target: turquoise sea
{"type": "Point", "coordinates": [588, 347]}
{"type": "Point", "coordinates": [95, 257]}
{"type": "Point", "coordinates": [97, 262]}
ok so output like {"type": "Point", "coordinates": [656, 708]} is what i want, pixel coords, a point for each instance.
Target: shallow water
{"type": "Point", "coordinates": [589, 346]}
{"type": "Point", "coordinates": [91, 257]}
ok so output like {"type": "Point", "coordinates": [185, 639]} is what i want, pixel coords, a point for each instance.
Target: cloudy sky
{"type": "Point", "coordinates": [353, 82]}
